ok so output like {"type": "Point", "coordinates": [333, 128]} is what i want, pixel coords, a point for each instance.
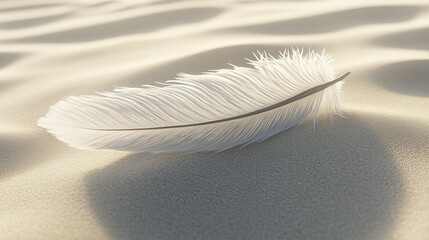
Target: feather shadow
{"type": "Point", "coordinates": [301, 185]}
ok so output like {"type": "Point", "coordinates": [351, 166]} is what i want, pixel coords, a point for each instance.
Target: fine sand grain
{"type": "Point", "coordinates": [362, 177]}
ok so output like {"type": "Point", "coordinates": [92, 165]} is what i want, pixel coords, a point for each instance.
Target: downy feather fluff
{"type": "Point", "coordinates": [213, 111]}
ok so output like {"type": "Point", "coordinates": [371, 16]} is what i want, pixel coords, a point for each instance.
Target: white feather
{"type": "Point", "coordinates": [119, 120]}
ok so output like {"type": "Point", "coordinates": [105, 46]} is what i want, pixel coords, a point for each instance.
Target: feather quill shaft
{"type": "Point", "coordinates": [209, 112]}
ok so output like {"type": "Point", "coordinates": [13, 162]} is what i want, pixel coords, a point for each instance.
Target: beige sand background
{"type": "Point", "coordinates": [363, 177]}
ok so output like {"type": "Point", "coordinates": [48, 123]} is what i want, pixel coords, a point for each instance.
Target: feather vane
{"type": "Point", "coordinates": [213, 111]}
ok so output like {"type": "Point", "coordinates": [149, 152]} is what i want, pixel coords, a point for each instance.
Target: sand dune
{"type": "Point", "coordinates": [413, 39]}
{"type": "Point", "coordinates": [362, 177]}
{"type": "Point", "coordinates": [336, 20]}
{"type": "Point", "coordinates": [129, 26]}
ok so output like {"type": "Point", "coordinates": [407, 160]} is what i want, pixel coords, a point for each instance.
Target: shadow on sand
{"type": "Point", "coordinates": [20, 153]}
{"type": "Point", "coordinates": [213, 59]}
{"type": "Point", "coordinates": [410, 77]}
{"type": "Point", "coordinates": [408, 39]}
{"type": "Point", "coordinates": [132, 25]}
{"type": "Point", "coordinates": [337, 182]}
{"type": "Point", "coordinates": [334, 21]}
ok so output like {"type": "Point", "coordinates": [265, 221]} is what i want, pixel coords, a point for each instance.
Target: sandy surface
{"type": "Point", "coordinates": [363, 177]}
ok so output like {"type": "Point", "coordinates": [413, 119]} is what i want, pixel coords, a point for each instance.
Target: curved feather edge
{"type": "Point", "coordinates": [119, 120]}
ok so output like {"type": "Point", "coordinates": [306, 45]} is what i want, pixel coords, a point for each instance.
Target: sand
{"type": "Point", "coordinates": [362, 177]}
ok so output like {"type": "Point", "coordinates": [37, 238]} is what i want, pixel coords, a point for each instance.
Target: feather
{"type": "Point", "coordinates": [213, 111]}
